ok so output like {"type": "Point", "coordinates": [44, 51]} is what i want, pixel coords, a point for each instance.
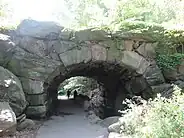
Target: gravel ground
{"type": "Point", "coordinates": [71, 123]}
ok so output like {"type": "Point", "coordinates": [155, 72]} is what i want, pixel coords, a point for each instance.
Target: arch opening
{"type": "Point", "coordinates": [114, 79]}
{"type": "Point", "coordinates": [81, 85]}
{"type": "Point", "coordinates": [84, 93]}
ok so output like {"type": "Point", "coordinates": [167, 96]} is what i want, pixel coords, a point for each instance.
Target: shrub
{"type": "Point", "coordinates": [169, 61]}
{"type": "Point", "coordinates": [158, 118]}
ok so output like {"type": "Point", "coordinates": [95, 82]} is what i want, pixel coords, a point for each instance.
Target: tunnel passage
{"type": "Point", "coordinates": [82, 93]}
{"type": "Point", "coordinates": [117, 81]}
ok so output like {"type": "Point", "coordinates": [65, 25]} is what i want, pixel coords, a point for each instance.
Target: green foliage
{"type": "Point", "coordinates": [158, 118]}
{"type": "Point", "coordinates": [62, 92]}
{"type": "Point", "coordinates": [92, 13]}
{"type": "Point", "coordinates": [86, 13]}
{"type": "Point", "coordinates": [170, 41]}
{"type": "Point", "coordinates": [3, 7]}
{"type": "Point", "coordinates": [153, 30]}
{"type": "Point", "coordinates": [170, 48]}
{"type": "Point", "coordinates": [175, 39]}
{"type": "Point", "coordinates": [5, 29]}
{"type": "Point", "coordinates": [169, 61]}
{"type": "Point", "coordinates": [81, 84]}
{"type": "Point", "coordinates": [145, 10]}
{"type": "Point", "coordinates": [145, 18]}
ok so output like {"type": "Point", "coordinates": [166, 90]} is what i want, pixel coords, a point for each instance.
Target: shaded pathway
{"type": "Point", "coordinates": [71, 123]}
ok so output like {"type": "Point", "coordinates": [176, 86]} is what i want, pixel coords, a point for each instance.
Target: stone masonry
{"type": "Point", "coordinates": [45, 54]}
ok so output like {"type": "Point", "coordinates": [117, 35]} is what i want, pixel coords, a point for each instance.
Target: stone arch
{"type": "Point", "coordinates": [46, 52]}
{"type": "Point", "coordinates": [113, 76]}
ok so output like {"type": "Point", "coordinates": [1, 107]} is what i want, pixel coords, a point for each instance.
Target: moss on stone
{"type": "Point", "coordinates": [169, 39]}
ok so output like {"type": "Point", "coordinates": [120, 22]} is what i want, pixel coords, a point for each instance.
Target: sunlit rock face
{"type": "Point", "coordinates": [6, 47]}
{"type": "Point", "coordinates": [45, 54]}
{"type": "Point", "coordinates": [7, 120]}
{"type": "Point", "coordinates": [11, 91]}
{"type": "Point", "coordinates": [39, 29]}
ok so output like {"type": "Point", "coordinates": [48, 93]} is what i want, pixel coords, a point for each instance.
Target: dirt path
{"type": "Point", "coordinates": [72, 123]}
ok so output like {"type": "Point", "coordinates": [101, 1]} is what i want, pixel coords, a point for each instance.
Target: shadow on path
{"type": "Point", "coordinates": [70, 123]}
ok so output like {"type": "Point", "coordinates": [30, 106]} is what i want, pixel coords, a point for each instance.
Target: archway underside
{"type": "Point", "coordinates": [119, 83]}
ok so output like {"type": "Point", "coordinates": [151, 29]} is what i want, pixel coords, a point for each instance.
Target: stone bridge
{"type": "Point", "coordinates": [43, 54]}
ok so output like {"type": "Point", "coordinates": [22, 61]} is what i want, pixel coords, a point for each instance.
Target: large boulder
{"type": "Point", "coordinates": [11, 91]}
{"type": "Point", "coordinates": [7, 120]}
{"type": "Point", "coordinates": [135, 61]}
{"type": "Point", "coordinates": [93, 118]}
{"type": "Point", "coordinates": [147, 50]}
{"type": "Point", "coordinates": [179, 83]}
{"type": "Point", "coordinates": [154, 75]}
{"type": "Point", "coordinates": [91, 34]}
{"type": "Point", "coordinates": [161, 87]}
{"type": "Point", "coordinates": [6, 47]}
{"type": "Point", "coordinates": [96, 102]}
{"type": "Point", "coordinates": [39, 29]}
{"type": "Point", "coordinates": [116, 127]}
{"type": "Point", "coordinates": [136, 85]}
{"type": "Point", "coordinates": [169, 92]}
{"type": "Point", "coordinates": [26, 124]}
{"type": "Point", "coordinates": [170, 74]}
{"type": "Point", "coordinates": [110, 120]}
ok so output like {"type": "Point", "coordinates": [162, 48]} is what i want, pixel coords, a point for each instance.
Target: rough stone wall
{"type": "Point", "coordinates": [45, 50]}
